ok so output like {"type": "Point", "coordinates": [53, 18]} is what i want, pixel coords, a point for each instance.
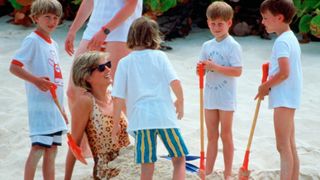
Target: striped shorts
{"type": "Point", "coordinates": [47, 140]}
{"type": "Point", "coordinates": [146, 144]}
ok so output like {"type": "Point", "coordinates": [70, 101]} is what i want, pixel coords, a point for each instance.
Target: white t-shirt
{"type": "Point", "coordinates": [40, 58]}
{"type": "Point", "coordinates": [103, 11]}
{"type": "Point", "coordinates": [287, 93]}
{"type": "Point", "coordinates": [220, 90]}
{"type": "Point", "coordinates": [143, 79]}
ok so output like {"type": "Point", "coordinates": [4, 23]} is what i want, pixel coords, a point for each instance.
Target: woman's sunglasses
{"type": "Point", "coordinates": [102, 67]}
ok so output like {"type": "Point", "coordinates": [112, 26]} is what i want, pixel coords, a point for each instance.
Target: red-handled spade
{"type": "Point", "coordinates": [75, 149]}
{"type": "Point", "coordinates": [202, 155]}
{"type": "Point", "coordinates": [244, 173]}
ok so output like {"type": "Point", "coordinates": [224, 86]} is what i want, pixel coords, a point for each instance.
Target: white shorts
{"type": "Point", "coordinates": [47, 140]}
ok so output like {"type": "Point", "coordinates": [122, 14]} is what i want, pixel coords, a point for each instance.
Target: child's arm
{"type": "Point", "coordinates": [118, 105]}
{"type": "Point", "coordinates": [83, 14]}
{"type": "Point", "coordinates": [178, 92]}
{"type": "Point", "coordinates": [225, 70]}
{"type": "Point", "coordinates": [42, 83]}
{"type": "Point", "coordinates": [284, 70]}
{"type": "Point", "coordinates": [122, 15]}
{"type": "Point", "coordinates": [79, 118]}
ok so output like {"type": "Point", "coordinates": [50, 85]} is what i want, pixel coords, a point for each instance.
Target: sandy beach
{"type": "Point", "coordinates": [264, 159]}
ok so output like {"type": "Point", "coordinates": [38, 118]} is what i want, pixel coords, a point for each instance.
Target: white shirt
{"type": "Point", "coordinates": [103, 12]}
{"type": "Point", "coordinates": [143, 79]}
{"type": "Point", "coordinates": [220, 90]}
{"type": "Point", "coordinates": [288, 92]}
{"type": "Point", "coordinates": [40, 58]}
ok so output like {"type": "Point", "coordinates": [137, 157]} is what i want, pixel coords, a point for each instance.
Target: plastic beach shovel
{"type": "Point", "coordinates": [75, 149]}
{"type": "Point", "coordinates": [244, 173]}
{"type": "Point", "coordinates": [202, 166]}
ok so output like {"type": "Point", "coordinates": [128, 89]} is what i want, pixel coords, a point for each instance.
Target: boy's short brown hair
{"type": "Point", "coordinates": [40, 7]}
{"type": "Point", "coordinates": [144, 32]}
{"type": "Point", "coordinates": [219, 9]}
{"type": "Point", "coordinates": [277, 7]}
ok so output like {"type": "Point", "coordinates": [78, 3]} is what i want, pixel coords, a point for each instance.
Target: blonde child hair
{"type": "Point", "coordinates": [40, 7]}
{"type": "Point", "coordinates": [144, 32]}
{"type": "Point", "coordinates": [219, 9]}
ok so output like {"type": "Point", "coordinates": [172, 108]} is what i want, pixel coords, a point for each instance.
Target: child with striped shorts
{"type": "Point", "coordinates": [143, 80]}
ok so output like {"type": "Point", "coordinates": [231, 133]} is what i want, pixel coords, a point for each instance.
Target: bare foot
{"type": "Point", "coordinates": [243, 174]}
{"type": "Point", "coordinates": [202, 174]}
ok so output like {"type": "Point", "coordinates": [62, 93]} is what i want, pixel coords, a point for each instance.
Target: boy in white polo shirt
{"type": "Point", "coordinates": [37, 63]}
{"type": "Point", "coordinates": [143, 79]}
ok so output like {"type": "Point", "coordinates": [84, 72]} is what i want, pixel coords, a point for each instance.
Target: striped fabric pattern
{"type": "Point", "coordinates": [146, 144]}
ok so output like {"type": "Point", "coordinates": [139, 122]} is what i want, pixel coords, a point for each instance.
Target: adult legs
{"type": "Point", "coordinates": [284, 131]}
{"type": "Point", "coordinates": [116, 50]}
{"type": "Point", "coordinates": [72, 90]}
{"type": "Point", "coordinates": [35, 154]}
{"type": "Point", "coordinates": [212, 124]}
{"type": "Point", "coordinates": [226, 118]}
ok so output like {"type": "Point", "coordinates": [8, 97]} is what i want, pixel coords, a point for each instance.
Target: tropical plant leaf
{"type": "Point", "coordinates": [315, 26]}
{"type": "Point", "coordinates": [306, 6]}
{"type": "Point", "coordinates": [297, 4]}
{"type": "Point", "coordinates": [304, 24]}
{"type": "Point", "coordinates": [160, 5]}
{"type": "Point", "coordinates": [16, 4]}
{"type": "Point", "coordinates": [77, 2]}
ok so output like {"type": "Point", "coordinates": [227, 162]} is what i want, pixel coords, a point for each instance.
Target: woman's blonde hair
{"type": "Point", "coordinates": [40, 7]}
{"type": "Point", "coordinates": [144, 32]}
{"type": "Point", "coordinates": [83, 65]}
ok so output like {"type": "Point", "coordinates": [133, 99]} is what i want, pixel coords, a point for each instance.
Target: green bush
{"type": "Point", "coordinates": [308, 16]}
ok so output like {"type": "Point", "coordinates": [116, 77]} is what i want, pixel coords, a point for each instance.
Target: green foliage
{"type": "Point", "coordinates": [315, 26]}
{"type": "Point", "coordinates": [159, 6]}
{"type": "Point", "coordinates": [77, 2]}
{"type": "Point", "coordinates": [15, 4]}
{"type": "Point", "coordinates": [307, 12]}
{"type": "Point", "coordinates": [304, 23]}
{"type": "Point", "coordinates": [306, 6]}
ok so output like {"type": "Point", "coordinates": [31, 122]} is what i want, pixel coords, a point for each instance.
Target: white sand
{"type": "Point", "coordinates": [264, 159]}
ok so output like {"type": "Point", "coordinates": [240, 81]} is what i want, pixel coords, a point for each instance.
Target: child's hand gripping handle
{"type": "Point", "coordinates": [200, 69]}
{"type": "Point", "coordinates": [55, 99]}
{"type": "Point", "coordinates": [265, 69]}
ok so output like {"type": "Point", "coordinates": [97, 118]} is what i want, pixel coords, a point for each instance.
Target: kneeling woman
{"type": "Point", "coordinates": [92, 114]}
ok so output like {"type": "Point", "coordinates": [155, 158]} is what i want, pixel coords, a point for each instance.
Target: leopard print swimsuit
{"type": "Point", "coordinates": [99, 130]}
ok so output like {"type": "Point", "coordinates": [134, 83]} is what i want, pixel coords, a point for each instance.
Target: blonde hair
{"type": "Point", "coordinates": [40, 7]}
{"type": "Point", "coordinates": [219, 9]}
{"type": "Point", "coordinates": [144, 32]}
{"type": "Point", "coordinates": [83, 65]}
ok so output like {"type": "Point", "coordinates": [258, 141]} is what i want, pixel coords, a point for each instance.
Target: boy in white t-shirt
{"type": "Point", "coordinates": [143, 80]}
{"type": "Point", "coordinates": [37, 63]}
{"type": "Point", "coordinates": [285, 83]}
{"type": "Point", "coordinates": [221, 57]}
